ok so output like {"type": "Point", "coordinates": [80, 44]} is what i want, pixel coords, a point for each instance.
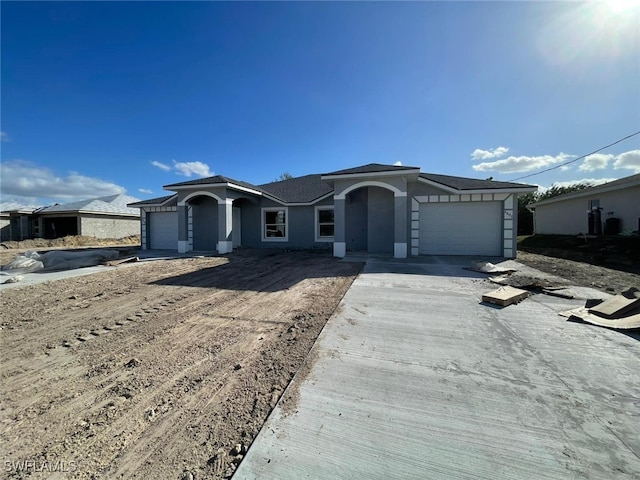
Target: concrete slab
{"type": "Point", "coordinates": [41, 277]}
{"type": "Point", "coordinates": [415, 378]}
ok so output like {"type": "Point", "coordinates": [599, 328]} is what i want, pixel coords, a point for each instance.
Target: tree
{"type": "Point", "coordinates": [525, 217]}
{"type": "Point", "coordinates": [284, 176]}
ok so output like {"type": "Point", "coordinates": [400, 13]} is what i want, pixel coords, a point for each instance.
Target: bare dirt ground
{"type": "Point", "coordinates": [164, 369]}
{"type": "Point", "coordinates": [581, 274]}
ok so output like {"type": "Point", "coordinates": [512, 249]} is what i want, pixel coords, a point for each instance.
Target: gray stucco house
{"type": "Point", "coordinates": [373, 208]}
{"type": "Point", "coordinates": [608, 208]}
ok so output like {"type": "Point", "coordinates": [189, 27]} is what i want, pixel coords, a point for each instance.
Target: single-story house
{"type": "Point", "coordinates": [608, 208]}
{"type": "Point", "coordinates": [102, 217]}
{"type": "Point", "coordinates": [373, 208]}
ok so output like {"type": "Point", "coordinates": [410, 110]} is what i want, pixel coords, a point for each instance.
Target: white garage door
{"type": "Point", "coordinates": [163, 230]}
{"type": "Point", "coordinates": [465, 228]}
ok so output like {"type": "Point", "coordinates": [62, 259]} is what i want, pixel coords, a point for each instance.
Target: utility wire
{"type": "Point", "coordinates": [576, 159]}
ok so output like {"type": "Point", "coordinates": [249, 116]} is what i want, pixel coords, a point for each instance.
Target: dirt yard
{"type": "Point", "coordinates": [162, 369]}
{"type": "Point", "coordinates": [581, 274]}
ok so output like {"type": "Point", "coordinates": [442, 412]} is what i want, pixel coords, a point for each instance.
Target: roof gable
{"type": "Point", "coordinates": [304, 189]}
{"type": "Point", "coordinates": [216, 179]}
{"type": "Point", "coordinates": [371, 168]}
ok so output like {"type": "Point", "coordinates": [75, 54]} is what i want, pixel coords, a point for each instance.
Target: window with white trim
{"type": "Point", "coordinates": [325, 224]}
{"type": "Point", "coordinates": [274, 224]}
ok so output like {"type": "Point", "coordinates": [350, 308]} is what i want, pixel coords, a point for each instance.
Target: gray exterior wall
{"type": "Point", "coordinates": [569, 217]}
{"type": "Point", "coordinates": [101, 226]}
{"type": "Point", "coordinates": [300, 226]}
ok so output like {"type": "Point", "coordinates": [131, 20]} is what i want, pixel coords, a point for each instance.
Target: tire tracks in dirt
{"type": "Point", "coordinates": [166, 366]}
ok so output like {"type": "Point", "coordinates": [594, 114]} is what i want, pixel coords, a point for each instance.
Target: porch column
{"type": "Point", "coordinates": [183, 229]}
{"type": "Point", "coordinates": [225, 226]}
{"type": "Point", "coordinates": [400, 225]}
{"type": "Point", "coordinates": [339, 228]}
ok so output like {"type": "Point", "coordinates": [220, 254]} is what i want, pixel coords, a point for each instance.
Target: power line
{"type": "Point", "coordinates": [576, 159]}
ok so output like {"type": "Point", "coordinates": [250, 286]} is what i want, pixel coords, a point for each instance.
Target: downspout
{"type": "Point", "coordinates": [532, 209]}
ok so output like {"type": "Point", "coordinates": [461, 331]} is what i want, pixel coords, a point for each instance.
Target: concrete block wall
{"type": "Point", "coordinates": [109, 227]}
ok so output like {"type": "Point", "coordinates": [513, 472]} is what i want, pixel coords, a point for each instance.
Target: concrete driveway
{"type": "Point", "coordinates": [415, 378]}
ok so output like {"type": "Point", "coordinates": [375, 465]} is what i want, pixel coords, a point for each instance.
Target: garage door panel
{"type": "Point", "coordinates": [465, 228]}
{"type": "Point", "coordinates": [163, 230]}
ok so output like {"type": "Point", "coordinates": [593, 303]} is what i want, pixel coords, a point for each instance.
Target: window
{"type": "Point", "coordinates": [325, 225]}
{"type": "Point", "coordinates": [274, 222]}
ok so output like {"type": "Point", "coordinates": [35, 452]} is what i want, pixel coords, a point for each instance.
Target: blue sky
{"type": "Point", "coordinates": [125, 97]}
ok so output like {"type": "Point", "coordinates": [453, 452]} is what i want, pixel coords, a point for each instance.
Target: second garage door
{"type": "Point", "coordinates": [163, 230]}
{"type": "Point", "coordinates": [461, 228]}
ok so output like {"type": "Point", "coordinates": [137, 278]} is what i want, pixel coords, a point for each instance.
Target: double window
{"type": "Point", "coordinates": [274, 224]}
{"type": "Point", "coordinates": [325, 225]}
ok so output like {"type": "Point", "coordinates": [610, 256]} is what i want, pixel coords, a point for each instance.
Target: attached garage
{"type": "Point", "coordinates": [461, 228]}
{"type": "Point", "coordinates": [163, 230]}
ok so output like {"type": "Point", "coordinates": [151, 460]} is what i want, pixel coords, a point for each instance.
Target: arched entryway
{"type": "Point", "coordinates": [370, 220]}
{"type": "Point", "coordinates": [203, 223]}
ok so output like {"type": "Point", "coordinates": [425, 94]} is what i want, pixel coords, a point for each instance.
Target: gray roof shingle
{"type": "Point", "coordinates": [462, 183]}
{"type": "Point", "coordinates": [371, 168]}
{"type": "Point", "coordinates": [111, 204]}
{"type": "Point", "coordinates": [152, 201]}
{"type": "Point", "coordinates": [298, 190]}
{"type": "Point", "coordinates": [210, 181]}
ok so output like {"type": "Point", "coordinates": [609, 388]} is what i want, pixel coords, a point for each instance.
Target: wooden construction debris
{"type": "Point", "coordinates": [113, 263]}
{"type": "Point", "coordinates": [618, 305]}
{"type": "Point", "coordinates": [621, 311]}
{"type": "Point", "coordinates": [505, 296]}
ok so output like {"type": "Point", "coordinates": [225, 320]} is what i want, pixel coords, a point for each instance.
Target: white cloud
{"type": "Point", "coordinates": [479, 154]}
{"type": "Point", "coordinates": [185, 168]}
{"type": "Point", "coordinates": [4, 137]}
{"type": "Point", "coordinates": [26, 181]}
{"type": "Point", "coordinates": [522, 164]}
{"type": "Point", "coordinates": [145, 190]}
{"type": "Point", "coordinates": [597, 161]}
{"type": "Point", "coordinates": [628, 160]}
{"type": "Point", "coordinates": [192, 168]}
{"type": "Point", "coordinates": [398, 163]}
{"type": "Point", "coordinates": [161, 166]}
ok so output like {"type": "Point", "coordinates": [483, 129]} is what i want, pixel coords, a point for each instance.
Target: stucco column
{"type": "Point", "coordinates": [400, 225]}
{"type": "Point", "coordinates": [183, 234]}
{"type": "Point", "coordinates": [225, 226]}
{"type": "Point", "coordinates": [339, 228]}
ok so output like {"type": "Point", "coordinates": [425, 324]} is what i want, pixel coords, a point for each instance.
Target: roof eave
{"type": "Point", "coordinates": [382, 173]}
{"type": "Point", "coordinates": [87, 212]}
{"type": "Point", "coordinates": [231, 185]}
{"type": "Point", "coordinates": [587, 192]}
{"type": "Point", "coordinates": [311, 202]}
{"type": "Point", "coordinates": [142, 204]}
{"type": "Point", "coordinates": [457, 191]}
